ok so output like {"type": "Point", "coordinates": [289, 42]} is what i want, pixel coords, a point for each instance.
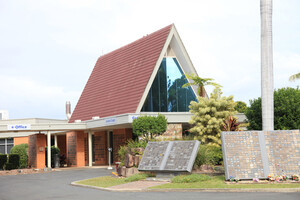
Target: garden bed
{"type": "Point", "coordinates": [21, 171]}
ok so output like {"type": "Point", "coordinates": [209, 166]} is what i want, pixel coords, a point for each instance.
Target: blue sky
{"type": "Point", "coordinates": [49, 48]}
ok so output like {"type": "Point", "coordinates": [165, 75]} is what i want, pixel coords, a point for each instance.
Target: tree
{"type": "Point", "coordinates": [267, 65]}
{"type": "Point", "coordinates": [209, 115]}
{"type": "Point", "coordinates": [149, 126]}
{"type": "Point", "coordinates": [286, 110]}
{"type": "Point", "coordinates": [240, 107]}
{"type": "Point", "coordinates": [200, 82]}
{"type": "Point", "coordinates": [294, 77]}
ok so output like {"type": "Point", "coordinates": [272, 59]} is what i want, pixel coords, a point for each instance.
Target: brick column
{"type": "Point", "coordinates": [75, 149]}
{"type": "Point", "coordinates": [36, 152]}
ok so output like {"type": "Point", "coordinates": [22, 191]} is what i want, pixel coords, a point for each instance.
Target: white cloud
{"type": "Point", "coordinates": [49, 47]}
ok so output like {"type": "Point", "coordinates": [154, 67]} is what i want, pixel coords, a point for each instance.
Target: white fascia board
{"type": "Point", "coordinates": [108, 121]}
{"type": "Point", "coordinates": [154, 72]}
{"type": "Point", "coordinates": [47, 127]}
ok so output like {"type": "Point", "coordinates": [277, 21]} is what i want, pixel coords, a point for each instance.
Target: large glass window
{"type": "Point", "coordinates": [166, 93]}
{"type": "Point", "coordinates": [6, 145]}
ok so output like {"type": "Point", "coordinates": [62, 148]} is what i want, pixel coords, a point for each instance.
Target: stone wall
{"type": "Point", "coordinates": [173, 131]}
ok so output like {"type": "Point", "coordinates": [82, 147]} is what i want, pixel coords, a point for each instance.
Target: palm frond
{"type": "Point", "coordinates": [294, 77]}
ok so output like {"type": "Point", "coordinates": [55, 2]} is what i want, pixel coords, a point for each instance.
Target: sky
{"type": "Point", "coordinates": [48, 48]}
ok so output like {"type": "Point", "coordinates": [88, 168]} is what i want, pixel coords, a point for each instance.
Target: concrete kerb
{"type": "Point", "coordinates": [272, 190]}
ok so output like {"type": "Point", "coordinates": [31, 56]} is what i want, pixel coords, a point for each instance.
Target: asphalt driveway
{"type": "Point", "coordinates": [56, 185]}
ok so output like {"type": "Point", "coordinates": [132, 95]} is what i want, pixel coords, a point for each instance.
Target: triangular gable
{"type": "Point", "coordinates": [118, 80]}
{"type": "Point", "coordinates": [175, 48]}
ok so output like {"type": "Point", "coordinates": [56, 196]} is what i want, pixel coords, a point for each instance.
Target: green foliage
{"type": "Point", "coordinates": [200, 82]}
{"type": "Point", "coordinates": [137, 177]}
{"type": "Point", "coordinates": [294, 77]}
{"type": "Point", "coordinates": [209, 115]}
{"type": "Point", "coordinates": [22, 151]}
{"type": "Point", "coordinates": [208, 155]}
{"type": "Point", "coordinates": [123, 150]}
{"type": "Point", "coordinates": [136, 144]}
{"type": "Point", "coordinates": [13, 162]}
{"type": "Point", "coordinates": [54, 151]}
{"type": "Point", "coordinates": [230, 124]}
{"type": "Point", "coordinates": [3, 160]}
{"type": "Point", "coordinates": [149, 126]}
{"type": "Point", "coordinates": [192, 178]}
{"type": "Point", "coordinates": [286, 110]}
{"type": "Point", "coordinates": [240, 107]}
{"type": "Point", "coordinates": [253, 115]}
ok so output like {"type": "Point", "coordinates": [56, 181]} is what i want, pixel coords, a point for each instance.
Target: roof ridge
{"type": "Point", "coordinates": [136, 41]}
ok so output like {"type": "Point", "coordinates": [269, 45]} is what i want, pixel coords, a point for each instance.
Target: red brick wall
{"type": "Point", "coordinates": [100, 142]}
{"type": "Point", "coordinates": [20, 140]}
{"type": "Point", "coordinates": [71, 148]}
{"type": "Point", "coordinates": [32, 151]}
{"type": "Point", "coordinates": [80, 149]}
{"type": "Point", "coordinates": [61, 144]}
{"type": "Point", "coordinates": [75, 149]}
{"type": "Point", "coordinates": [120, 137]}
{"type": "Point", "coordinates": [36, 153]}
{"type": "Point", "coordinates": [86, 149]}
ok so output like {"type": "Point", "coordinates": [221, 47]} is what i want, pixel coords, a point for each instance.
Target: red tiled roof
{"type": "Point", "coordinates": [119, 78]}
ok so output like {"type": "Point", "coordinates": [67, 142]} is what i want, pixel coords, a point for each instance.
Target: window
{"type": "Point", "coordinates": [166, 93]}
{"type": "Point", "coordinates": [6, 145]}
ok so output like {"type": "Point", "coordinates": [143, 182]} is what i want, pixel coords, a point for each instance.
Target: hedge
{"type": "Point", "coordinates": [3, 160]}
{"type": "Point", "coordinates": [13, 162]}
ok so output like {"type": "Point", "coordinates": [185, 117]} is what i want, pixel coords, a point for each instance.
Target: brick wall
{"type": "Point", "coordinates": [20, 140]}
{"type": "Point", "coordinates": [36, 153]}
{"type": "Point", "coordinates": [101, 153]}
{"type": "Point", "coordinates": [61, 144]}
{"type": "Point", "coordinates": [75, 149]}
{"type": "Point", "coordinates": [173, 131]}
{"type": "Point", "coordinates": [120, 137]}
{"type": "Point", "coordinates": [71, 148]}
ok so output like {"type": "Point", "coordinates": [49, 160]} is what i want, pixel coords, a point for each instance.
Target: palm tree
{"type": "Point", "coordinates": [200, 82]}
{"type": "Point", "coordinates": [267, 88]}
{"type": "Point", "coordinates": [294, 77]}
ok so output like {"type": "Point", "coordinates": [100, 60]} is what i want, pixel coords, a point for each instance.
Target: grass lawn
{"type": "Point", "coordinates": [218, 182]}
{"type": "Point", "coordinates": [214, 182]}
{"type": "Point", "coordinates": [108, 181]}
{"type": "Point", "coordinates": [104, 181]}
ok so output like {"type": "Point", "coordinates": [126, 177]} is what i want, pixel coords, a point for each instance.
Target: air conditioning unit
{"type": "Point", "coordinates": [4, 115]}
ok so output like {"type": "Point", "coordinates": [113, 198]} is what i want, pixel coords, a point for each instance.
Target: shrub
{"type": "Point", "coordinates": [121, 154]}
{"type": "Point", "coordinates": [3, 160]}
{"type": "Point", "coordinates": [208, 155]}
{"type": "Point", "coordinates": [190, 178]}
{"type": "Point", "coordinates": [131, 144]}
{"type": "Point", "coordinates": [54, 150]}
{"type": "Point", "coordinates": [22, 151]}
{"type": "Point", "coordinates": [149, 126]}
{"type": "Point", "coordinates": [13, 162]}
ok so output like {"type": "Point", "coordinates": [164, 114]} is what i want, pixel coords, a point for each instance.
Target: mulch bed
{"type": "Point", "coordinates": [262, 182]}
{"type": "Point", "coordinates": [21, 171]}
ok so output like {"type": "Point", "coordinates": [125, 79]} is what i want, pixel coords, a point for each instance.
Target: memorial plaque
{"type": "Point", "coordinates": [257, 154]}
{"type": "Point", "coordinates": [169, 156]}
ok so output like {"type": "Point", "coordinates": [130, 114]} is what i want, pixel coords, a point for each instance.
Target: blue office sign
{"type": "Point", "coordinates": [17, 127]}
{"type": "Point", "coordinates": [110, 121]}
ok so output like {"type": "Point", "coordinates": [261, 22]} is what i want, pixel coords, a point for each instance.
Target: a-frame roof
{"type": "Point", "coordinates": [119, 78]}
